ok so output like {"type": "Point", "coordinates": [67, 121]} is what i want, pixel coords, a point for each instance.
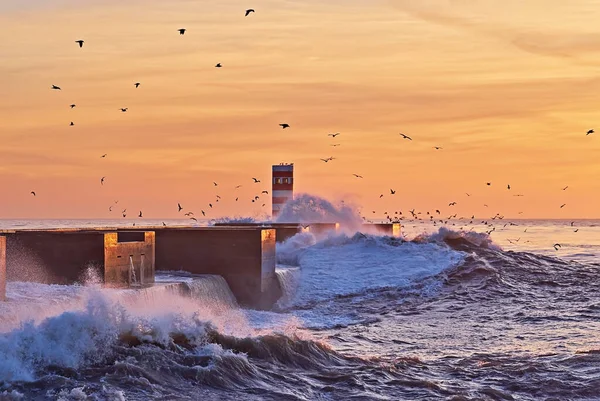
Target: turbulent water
{"type": "Point", "coordinates": [444, 315]}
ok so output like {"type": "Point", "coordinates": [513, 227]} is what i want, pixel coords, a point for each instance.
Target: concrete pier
{"type": "Point", "coordinates": [2, 268]}
{"type": "Point", "coordinates": [244, 256]}
{"type": "Point", "coordinates": [285, 231]}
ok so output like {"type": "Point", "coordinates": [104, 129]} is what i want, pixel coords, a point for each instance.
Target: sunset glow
{"type": "Point", "coordinates": [507, 89]}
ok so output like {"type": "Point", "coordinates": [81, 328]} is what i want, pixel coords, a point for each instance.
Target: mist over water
{"type": "Point", "coordinates": [442, 313]}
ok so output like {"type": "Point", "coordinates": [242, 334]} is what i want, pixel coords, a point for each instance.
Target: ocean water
{"type": "Point", "coordinates": [444, 313]}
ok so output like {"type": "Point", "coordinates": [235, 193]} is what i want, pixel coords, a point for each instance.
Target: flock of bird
{"type": "Point", "coordinates": [433, 216]}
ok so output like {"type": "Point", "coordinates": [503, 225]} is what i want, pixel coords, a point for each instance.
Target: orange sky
{"type": "Point", "coordinates": [508, 89]}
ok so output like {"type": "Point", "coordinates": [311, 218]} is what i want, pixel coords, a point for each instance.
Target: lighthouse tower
{"type": "Point", "coordinates": [283, 186]}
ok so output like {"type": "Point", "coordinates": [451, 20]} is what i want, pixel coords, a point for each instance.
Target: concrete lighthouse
{"type": "Point", "coordinates": [283, 186]}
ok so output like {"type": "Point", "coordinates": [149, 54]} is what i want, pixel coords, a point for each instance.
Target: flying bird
{"type": "Point", "coordinates": [218, 65]}
{"type": "Point", "coordinates": [164, 225]}
{"type": "Point", "coordinates": [123, 109]}
{"type": "Point", "coordinates": [210, 205]}
{"type": "Point", "coordinates": [137, 84]}
{"type": "Point", "coordinates": [392, 192]}
{"type": "Point", "coordinates": [335, 145]}
{"type": "Point", "coordinates": [488, 183]}
{"type": "Point", "coordinates": [203, 214]}
{"type": "Point", "coordinates": [248, 11]}
{"type": "Point", "coordinates": [437, 147]}
{"type": "Point", "coordinates": [215, 183]}
{"type": "Point", "coordinates": [104, 155]}
{"type": "Point", "coordinates": [71, 124]}
{"type": "Point", "coordinates": [189, 214]}
{"type": "Point", "coordinates": [179, 207]}
{"type": "Point", "coordinates": [565, 188]}
{"type": "Point", "coordinates": [563, 205]}
{"type": "Point", "coordinates": [32, 193]}
{"type": "Point", "coordinates": [80, 43]}
{"type": "Point", "coordinates": [406, 137]}
{"type": "Point", "coordinates": [284, 126]}
{"type": "Point", "coordinates": [452, 204]}
{"type": "Point", "coordinates": [265, 192]}
{"type": "Point", "coordinates": [102, 180]}
{"type": "Point", "coordinates": [556, 246]}
{"type": "Point", "coordinates": [110, 208]}
{"type": "Point", "coordinates": [589, 132]}
{"type": "Point", "coordinates": [508, 186]}
{"type": "Point", "coordinates": [468, 194]}
{"type": "Point", "coordinates": [72, 106]}
{"type": "Point", "coordinates": [193, 218]}
{"type": "Point", "coordinates": [140, 215]}
{"type": "Point", "coordinates": [256, 180]}
{"type": "Point", "coordinates": [357, 176]}
{"type": "Point", "coordinates": [181, 31]}
{"type": "Point", "coordinates": [333, 135]}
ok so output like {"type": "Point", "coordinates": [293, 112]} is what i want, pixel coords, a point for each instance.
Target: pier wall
{"type": "Point", "coordinates": [244, 256]}
{"type": "Point", "coordinates": [2, 268]}
{"type": "Point", "coordinates": [53, 257]}
{"type": "Point", "coordinates": [74, 256]}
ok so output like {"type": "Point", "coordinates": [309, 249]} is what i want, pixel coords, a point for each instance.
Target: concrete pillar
{"type": "Point", "coordinates": [129, 258]}
{"type": "Point", "coordinates": [244, 256]}
{"type": "Point", "coordinates": [2, 268]}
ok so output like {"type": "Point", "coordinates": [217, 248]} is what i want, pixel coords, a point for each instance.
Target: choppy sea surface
{"type": "Point", "coordinates": [441, 314]}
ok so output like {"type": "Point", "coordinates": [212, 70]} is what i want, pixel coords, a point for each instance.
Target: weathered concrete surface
{"type": "Point", "coordinates": [2, 268]}
{"type": "Point", "coordinates": [244, 256]}
{"type": "Point", "coordinates": [54, 256]}
{"type": "Point", "coordinates": [129, 258]}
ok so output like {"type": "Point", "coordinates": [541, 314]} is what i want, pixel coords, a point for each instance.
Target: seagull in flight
{"type": "Point", "coordinates": [80, 42]}
{"type": "Point", "coordinates": [71, 124]}
{"type": "Point", "coordinates": [468, 194]}
{"type": "Point", "coordinates": [556, 246]}
{"type": "Point", "coordinates": [452, 204]}
{"type": "Point", "coordinates": [333, 135]}
{"type": "Point", "coordinates": [589, 132]}
{"type": "Point", "coordinates": [565, 188]}
{"type": "Point", "coordinates": [218, 65]}
{"type": "Point", "coordinates": [392, 192]}
{"type": "Point", "coordinates": [335, 144]}
{"type": "Point", "coordinates": [104, 155]}
{"type": "Point", "coordinates": [358, 176]}
{"type": "Point", "coordinates": [265, 192]}
{"type": "Point", "coordinates": [56, 87]}
{"type": "Point", "coordinates": [137, 84]}
{"type": "Point", "coordinates": [563, 205]}
{"type": "Point", "coordinates": [32, 193]}
{"type": "Point", "coordinates": [140, 215]}
{"type": "Point", "coordinates": [179, 207]}
{"type": "Point", "coordinates": [203, 214]}
{"type": "Point", "coordinates": [406, 137]}
{"type": "Point", "coordinates": [72, 106]}
{"type": "Point", "coordinates": [437, 147]}
{"type": "Point", "coordinates": [123, 109]}
{"type": "Point", "coordinates": [215, 183]}
{"type": "Point", "coordinates": [284, 126]}
{"type": "Point", "coordinates": [256, 180]}
{"type": "Point", "coordinates": [189, 214]}
{"type": "Point", "coordinates": [181, 31]}
{"type": "Point", "coordinates": [508, 186]}
{"type": "Point", "coordinates": [193, 218]}
{"type": "Point", "coordinates": [102, 180]}
{"type": "Point", "coordinates": [248, 11]}
{"type": "Point", "coordinates": [488, 183]}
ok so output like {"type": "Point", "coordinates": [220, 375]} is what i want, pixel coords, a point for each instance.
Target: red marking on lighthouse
{"type": "Point", "coordinates": [283, 186]}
